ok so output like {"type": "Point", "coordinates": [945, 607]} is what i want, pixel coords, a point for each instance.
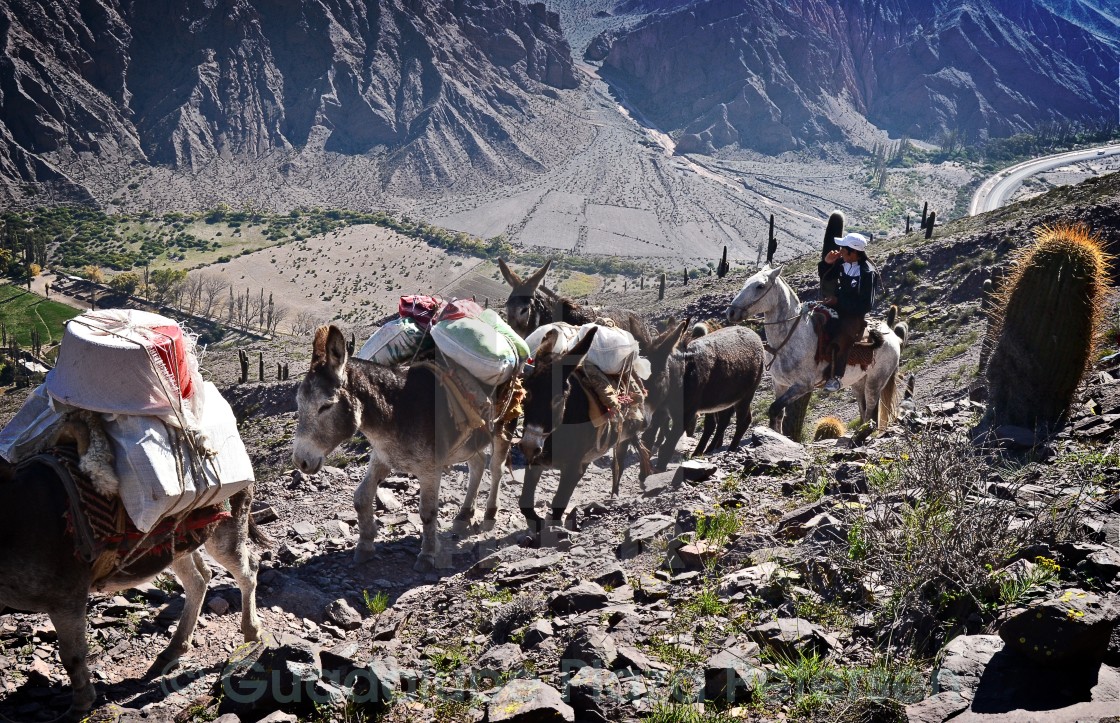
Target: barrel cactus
{"type": "Point", "coordinates": [829, 428]}
{"type": "Point", "coordinates": [1045, 326]}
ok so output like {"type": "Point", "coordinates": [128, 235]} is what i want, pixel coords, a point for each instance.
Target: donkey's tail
{"type": "Point", "coordinates": [888, 401]}
{"type": "Point", "coordinates": [257, 535]}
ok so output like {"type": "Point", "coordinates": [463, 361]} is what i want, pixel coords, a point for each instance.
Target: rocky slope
{"type": "Point", "coordinates": [428, 87]}
{"type": "Point", "coordinates": [654, 605]}
{"type": "Point", "coordinates": [776, 76]}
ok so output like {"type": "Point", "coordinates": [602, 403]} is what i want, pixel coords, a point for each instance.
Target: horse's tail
{"type": "Point", "coordinates": [888, 401]}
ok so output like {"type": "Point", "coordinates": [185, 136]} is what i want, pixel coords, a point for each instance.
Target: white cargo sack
{"type": "Point", "coordinates": [611, 350]}
{"type": "Point", "coordinates": [395, 343]}
{"type": "Point", "coordinates": [490, 351]}
{"type": "Point", "coordinates": [124, 361]}
{"type": "Point", "coordinates": [148, 454]}
{"type": "Point", "coordinates": [28, 430]}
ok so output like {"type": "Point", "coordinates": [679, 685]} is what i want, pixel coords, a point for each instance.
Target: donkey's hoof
{"type": "Point", "coordinates": [426, 562]}
{"type": "Point", "coordinates": [461, 528]}
{"type": "Point", "coordinates": [488, 524]}
{"type": "Point", "coordinates": [364, 553]}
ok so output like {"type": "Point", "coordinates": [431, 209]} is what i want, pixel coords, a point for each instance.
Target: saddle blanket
{"type": "Point", "coordinates": [861, 353]}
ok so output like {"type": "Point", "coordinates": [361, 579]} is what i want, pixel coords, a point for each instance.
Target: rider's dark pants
{"type": "Point", "coordinates": [844, 332]}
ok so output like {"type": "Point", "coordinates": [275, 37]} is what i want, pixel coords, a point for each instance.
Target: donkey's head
{"type": "Point", "coordinates": [755, 296]}
{"type": "Point", "coordinates": [546, 390]}
{"type": "Point", "coordinates": [519, 305]}
{"type": "Point", "coordinates": [328, 413]}
{"type": "Point", "coordinates": [658, 353]}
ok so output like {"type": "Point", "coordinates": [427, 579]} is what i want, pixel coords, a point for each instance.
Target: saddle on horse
{"type": "Point", "coordinates": [862, 352]}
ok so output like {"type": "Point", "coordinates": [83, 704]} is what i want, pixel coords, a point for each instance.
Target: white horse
{"type": "Point", "coordinates": [793, 364]}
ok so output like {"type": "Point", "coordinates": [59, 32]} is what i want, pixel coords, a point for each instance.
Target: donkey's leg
{"type": "Point", "coordinates": [70, 623]}
{"type": "Point", "coordinates": [194, 574]}
{"type": "Point", "coordinates": [669, 444]}
{"type": "Point", "coordinates": [229, 545]}
{"type": "Point", "coordinates": [499, 453]}
{"type": "Point", "coordinates": [570, 474]}
{"type": "Point", "coordinates": [722, 421]}
{"type": "Point", "coordinates": [743, 418]}
{"type": "Point", "coordinates": [475, 467]}
{"type": "Point", "coordinates": [527, 501]}
{"type": "Point", "coordinates": [365, 504]}
{"type": "Point", "coordinates": [429, 518]}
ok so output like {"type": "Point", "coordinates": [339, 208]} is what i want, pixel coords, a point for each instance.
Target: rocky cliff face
{"type": "Point", "coordinates": [770, 75]}
{"type": "Point", "coordinates": [426, 83]}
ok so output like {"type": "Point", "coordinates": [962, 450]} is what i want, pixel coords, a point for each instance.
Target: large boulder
{"type": "Point", "coordinates": [766, 449]}
{"type": "Point", "coordinates": [529, 701]}
{"type": "Point", "coordinates": [1071, 628]}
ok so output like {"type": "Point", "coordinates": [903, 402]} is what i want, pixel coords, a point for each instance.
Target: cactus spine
{"type": "Point", "coordinates": [1045, 326]}
{"type": "Point", "coordinates": [829, 428]}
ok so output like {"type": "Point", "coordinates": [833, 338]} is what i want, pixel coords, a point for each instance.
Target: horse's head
{"type": "Point", "coordinates": [658, 353]}
{"type": "Point", "coordinates": [546, 390]}
{"type": "Point", "coordinates": [328, 413]}
{"type": "Point", "coordinates": [754, 297]}
{"type": "Point", "coordinates": [519, 305]}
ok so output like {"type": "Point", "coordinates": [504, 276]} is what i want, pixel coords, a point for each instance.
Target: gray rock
{"type": "Point", "coordinates": [593, 647]}
{"type": "Point", "coordinates": [227, 718]}
{"type": "Point", "coordinates": [730, 676]}
{"type": "Point", "coordinates": [387, 500]}
{"type": "Point", "coordinates": [790, 637]}
{"type": "Point", "coordinates": [766, 449]}
{"type": "Point", "coordinates": [962, 665]}
{"type": "Point", "coordinates": [579, 598]}
{"type": "Point", "coordinates": [537, 632]}
{"type": "Point", "coordinates": [791, 526]}
{"type": "Point", "coordinates": [263, 676]}
{"type": "Point", "coordinates": [529, 701]}
{"type": "Point", "coordinates": [530, 566]}
{"type": "Point", "coordinates": [305, 531]}
{"type": "Point", "coordinates": [217, 605]}
{"type": "Point", "coordinates": [611, 575]}
{"type": "Point", "coordinates": [278, 717]}
{"type": "Point", "coordinates": [594, 693]}
{"type": "Point", "coordinates": [342, 614]}
{"type": "Point", "coordinates": [659, 483]}
{"type": "Point", "coordinates": [297, 597]}
{"type": "Point", "coordinates": [696, 470]}
{"type": "Point", "coordinates": [502, 658]}
{"type": "Point", "coordinates": [643, 532]}
{"type": "Point", "coordinates": [1072, 627]}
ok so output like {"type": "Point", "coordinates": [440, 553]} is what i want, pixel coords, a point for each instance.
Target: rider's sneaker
{"type": "Point", "coordinates": [832, 385]}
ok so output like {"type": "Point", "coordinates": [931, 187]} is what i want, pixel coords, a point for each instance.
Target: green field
{"type": "Point", "coordinates": [22, 311]}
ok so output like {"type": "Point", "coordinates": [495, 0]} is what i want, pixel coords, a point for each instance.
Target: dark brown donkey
{"type": "Point", "coordinates": [41, 572]}
{"type": "Point", "coordinates": [530, 306]}
{"type": "Point", "coordinates": [405, 417]}
{"type": "Point", "coordinates": [559, 433]}
{"type": "Point", "coordinates": [717, 372]}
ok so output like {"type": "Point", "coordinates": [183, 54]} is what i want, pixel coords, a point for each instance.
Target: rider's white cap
{"type": "Point", "coordinates": [854, 241]}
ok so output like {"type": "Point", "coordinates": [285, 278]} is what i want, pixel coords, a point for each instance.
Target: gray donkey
{"type": "Point", "coordinates": [405, 417]}
{"type": "Point", "coordinates": [40, 570]}
{"type": "Point", "coordinates": [715, 373]}
{"type": "Point", "coordinates": [529, 306]}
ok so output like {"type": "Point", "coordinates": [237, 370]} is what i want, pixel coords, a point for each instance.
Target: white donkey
{"type": "Point", "coordinates": [793, 365]}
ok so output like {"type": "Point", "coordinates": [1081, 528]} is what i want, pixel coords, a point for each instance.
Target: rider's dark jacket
{"type": "Point", "coordinates": [855, 295]}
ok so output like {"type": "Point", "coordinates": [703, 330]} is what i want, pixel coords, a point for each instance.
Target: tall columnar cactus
{"type": "Point", "coordinates": [1045, 325]}
{"type": "Point", "coordinates": [930, 223]}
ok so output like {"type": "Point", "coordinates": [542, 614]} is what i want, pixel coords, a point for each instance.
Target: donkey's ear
{"type": "Point", "coordinates": [530, 285]}
{"type": "Point", "coordinates": [548, 343]}
{"type": "Point", "coordinates": [329, 350]}
{"type": "Point", "coordinates": [511, 278]}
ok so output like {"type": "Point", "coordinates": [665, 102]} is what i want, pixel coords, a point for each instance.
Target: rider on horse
{"type": "Point", "coordinates": [848, 286]}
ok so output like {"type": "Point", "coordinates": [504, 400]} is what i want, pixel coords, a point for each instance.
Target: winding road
{"type": "Point", "coordinates": [996, 191]}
